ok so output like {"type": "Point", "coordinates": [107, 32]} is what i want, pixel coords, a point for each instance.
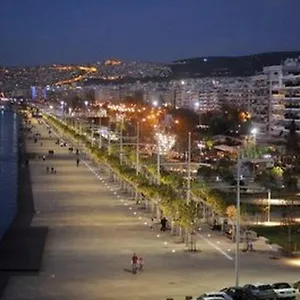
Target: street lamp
{"type": "Point", "coordinates": [63, 109]}
{"type": "Point", "coordinates": [92, 135]}
{"type": "Point", "coordinates": [109, 138]}
{"type": "Point", "coordinates": [155, 103]}
{"type": "Point", "coordinates": [254, 132]}
{"type": "Point", "coordinates": [158, 161]}
{"type": "Point", "coordinates": [100, 133]}
{"type": "Point", "coordinates": [137, 148]}
{"type": "Point", "coordinates": [121, 141]}
{"type": "Point", "coordinates": [238, 211]}
{"type": "Point", "coordinates": [237, 226]}
{"type": "Point", "coordinates": [188, 194]}
{"type": "Point", "coordinates": [269, 205]}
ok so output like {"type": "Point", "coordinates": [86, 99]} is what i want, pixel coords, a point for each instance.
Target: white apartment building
{"type": "Point", "coordinates": [199, 94]}
{"type": "Point", "coordinates": [272, 97]}
{"type": "Point", "coordinates": [284, 96]}
{"type": "Point", "coordinates": [234, 91]}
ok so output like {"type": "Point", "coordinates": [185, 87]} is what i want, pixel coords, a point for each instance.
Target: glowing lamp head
{"type": "Point", "coordinates": [254, 131]}
{"type": "Point", "coordinates": [155, 103]}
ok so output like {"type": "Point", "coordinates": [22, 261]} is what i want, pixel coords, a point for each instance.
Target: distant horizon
{"type": "Point", "coordinates": [148, 61]}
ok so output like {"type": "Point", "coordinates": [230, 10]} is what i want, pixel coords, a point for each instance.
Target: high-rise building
{"type": "Point", "coordinates": [259, 102]}
{"type": "Point", "coordinates": [284, 96]}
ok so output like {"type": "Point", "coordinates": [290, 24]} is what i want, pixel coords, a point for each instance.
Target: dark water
{"type": "Point", "coordinates": [8, 168]}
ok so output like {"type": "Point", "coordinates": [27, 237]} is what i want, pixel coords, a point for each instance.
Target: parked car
{"type": "Point", "coordinates": [239, 293]}
{"type": "Point", "coordinates": [262, 291]}
{"type": "Point", "coordinates": [284, 290]}
{"type": "Point", "coordinates": [214, 296]}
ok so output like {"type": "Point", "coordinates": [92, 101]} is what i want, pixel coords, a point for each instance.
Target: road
{"type": "Point", "coordinates": [93, 234]}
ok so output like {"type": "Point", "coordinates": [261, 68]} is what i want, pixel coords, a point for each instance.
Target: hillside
{"type": "Point", "coordinates": [228, 66]}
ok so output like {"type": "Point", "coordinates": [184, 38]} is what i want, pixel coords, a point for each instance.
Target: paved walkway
{"type": "Point", "coordinates": [94, 229]}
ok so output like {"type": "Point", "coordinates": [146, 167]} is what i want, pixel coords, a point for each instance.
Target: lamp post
{"type": "Point", "coordinates": [137, 148]}
{"type": "Point", "coordinates": [92, 135]}
{"type": "Point", "coordinates": [269, 205]}
{"type": "Point", "coordinates": [254, 132]}
{"type": "Point", "coordinates": [109, 141]}
{"type": "Point", "coordinates": [188, 194]}
{"type": "Point", "coordinates": [238, 211]}
{"type": "Point", "coordinates": [121, 141]}
{"type": "Point", "coordinates": [158, 162]}
{"type": "Point", "coordinates": [63, 110]}
{"type": "Point", "coordinates": [100, 135]}
{"type": "Point", "coordinates": [237, 226]}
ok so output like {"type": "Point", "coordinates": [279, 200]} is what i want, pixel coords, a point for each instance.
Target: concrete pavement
{"type": "Point", "coordinates": [93, 234]}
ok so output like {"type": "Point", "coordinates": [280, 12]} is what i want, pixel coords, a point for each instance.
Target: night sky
{"type": "Point", "coordinates": [75, 31]}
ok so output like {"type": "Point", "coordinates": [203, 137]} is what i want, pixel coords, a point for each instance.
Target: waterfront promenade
{"type": "Point", "coordinates": [93, 234]}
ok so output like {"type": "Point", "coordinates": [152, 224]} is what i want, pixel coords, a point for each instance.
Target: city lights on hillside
{"type": "Point", "coordinates": [165, 142]}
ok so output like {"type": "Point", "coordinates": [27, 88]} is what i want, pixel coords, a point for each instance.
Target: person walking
{"type": "Point", "coordinates": [152, 224]}
{"type": "Point", "coordinates": [134, 262]}
{"type": "Point", "coordinates": [163, 223]}
{"type": "Point", "coordinates": [141, 263]}
{"type": "Point", "coordinates": [77, 162]}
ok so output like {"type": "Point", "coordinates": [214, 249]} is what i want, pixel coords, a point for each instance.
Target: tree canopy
{"type": "Point", "coordinates": [226, 121]}
{"type": "Point", "coordinates": [292, 140]}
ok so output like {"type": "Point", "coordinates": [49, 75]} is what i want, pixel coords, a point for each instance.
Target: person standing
{"type": "Point", "coordinates": [77, 162]}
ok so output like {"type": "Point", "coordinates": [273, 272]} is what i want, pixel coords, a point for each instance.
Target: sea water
{"type": "Point", "coordinates": [9, 129]}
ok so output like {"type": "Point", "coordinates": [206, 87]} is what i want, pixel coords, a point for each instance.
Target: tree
{"type": "Point", "coordinates": [228, 120]}
{"type": "Point", "coordinates": [292, 140]}
{"type": "Point", "coordinates": [187, 122]}
{"type": "Point", "coordinates": [231, 212]}
{"type": "Point", "coordinates": [288, 221]}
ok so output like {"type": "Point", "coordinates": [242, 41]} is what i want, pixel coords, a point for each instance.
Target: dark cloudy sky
{"type": "Point", "coordinates": [70, 31]}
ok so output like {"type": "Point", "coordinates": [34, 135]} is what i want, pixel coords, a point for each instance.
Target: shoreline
{"type": "Point", "coordinates": [22, 246]}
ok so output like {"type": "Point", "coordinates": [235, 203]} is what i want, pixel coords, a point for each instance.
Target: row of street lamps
{"type": "Point", "coordinates": [240, 161]}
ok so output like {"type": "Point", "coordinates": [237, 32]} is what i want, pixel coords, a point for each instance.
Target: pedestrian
{"type": "Point", "coordinates": [44, 157]}
{"type": "Point", "coordinates": [47, 170]}
{"type": "Point", "coordinates": [141, 263]}
{"type": "Point", "coordinates": [52, 170]}
{"type": "Point", "coordinates": [77, 162]}
{"type": "Point", "coordinates": [151, 224]}
{"type": "Point", "coordinates": [77, 151]}
{"type": "Point", "coordinates": [163, 223]}
{"type": "Point", "coordinates": [134, 263]}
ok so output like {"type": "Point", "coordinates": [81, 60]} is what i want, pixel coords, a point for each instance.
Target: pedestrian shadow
{"type": "Point", "coordinates": [128, 270]}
